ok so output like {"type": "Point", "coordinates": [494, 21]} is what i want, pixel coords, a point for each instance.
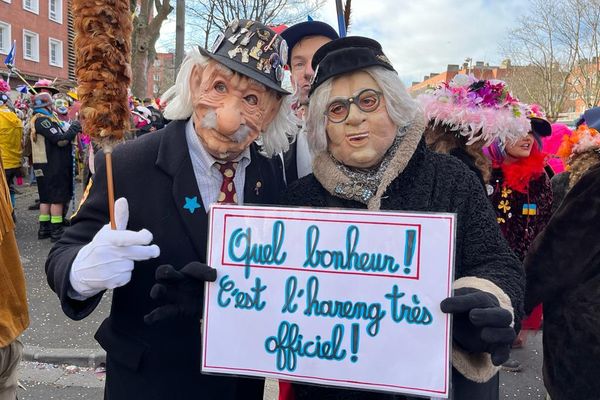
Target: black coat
{"type": "Point", "coordinates": [161, 361]}
{"type": "Point", "coordinates": [55, 177]}
{"type": "Point", "coordinates": [434, 183]}
{"type": "Point", "coordinates": [563, 272]}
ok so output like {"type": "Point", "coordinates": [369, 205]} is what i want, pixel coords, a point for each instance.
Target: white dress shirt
{"type": "Point", "coordinates": [208, 177]}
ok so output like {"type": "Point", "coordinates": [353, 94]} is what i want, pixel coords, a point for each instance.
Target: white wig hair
{"type": "Point", "coordinates": [401, 108]}
{"type": "Point", "coordinates": [278, 134]}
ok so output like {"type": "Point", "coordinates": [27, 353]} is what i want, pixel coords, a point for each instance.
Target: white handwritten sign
{"type": "Point", "coordinates": [334, 297]}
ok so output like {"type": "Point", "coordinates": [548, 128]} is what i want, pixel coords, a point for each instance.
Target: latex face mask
{"type": "Point", "coordinates": [230, 110]}
{"type": "Point", "coordinates": [300, 63]}
{"type": "Point", "coordinates": [359, 129]}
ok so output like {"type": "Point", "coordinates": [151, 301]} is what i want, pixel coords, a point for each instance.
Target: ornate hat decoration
{"type": "Point", "coordinates": [477, 109]}
{"type": "Point", "coordinates": [581, 140]}
{"type": "Point", "coordinates": [253, 50]}
{"type": "Point", "coordinates": [344, 55]}
{"type": "Point", "coordinates": [539, 123]}
{"type": "Point", "coordinates": [45, 84]}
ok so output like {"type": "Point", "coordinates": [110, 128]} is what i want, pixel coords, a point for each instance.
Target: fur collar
{"type": "Point", "coordinates": [330, 176]}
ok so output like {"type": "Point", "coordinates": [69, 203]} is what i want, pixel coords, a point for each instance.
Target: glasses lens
{"type": "Point", "coordinates": [337, 111]}
{"type": "Point", "coordinates": [368, 100]}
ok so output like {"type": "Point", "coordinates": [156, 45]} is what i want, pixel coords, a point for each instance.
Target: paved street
{"type": "Point", "coordinates": [50, 329]}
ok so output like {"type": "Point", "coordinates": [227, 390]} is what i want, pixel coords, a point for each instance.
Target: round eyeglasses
{"type": "Point", "coordinates": [366, 100]}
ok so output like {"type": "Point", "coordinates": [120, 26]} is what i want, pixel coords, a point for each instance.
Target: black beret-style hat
{"type": "Point", "coordinates": [345, 55]}
{"type": "Point", "coordinates": [253, 50]}
{"type": "Point", "coordinates": [296, 33]}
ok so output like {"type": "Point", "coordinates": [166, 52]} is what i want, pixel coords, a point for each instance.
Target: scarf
{"type": "Point", "coordinates": [519, 174]}
{"type": "Point", "coordinates": [362, 184]}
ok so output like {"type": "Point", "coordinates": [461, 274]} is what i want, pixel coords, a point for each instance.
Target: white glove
{"type": "Point", "coordinates": [107, 261]}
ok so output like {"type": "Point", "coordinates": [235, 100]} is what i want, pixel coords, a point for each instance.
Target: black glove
{"type": "Point", "coordinates": [480, 324]}
{"type": "Point", "coordinates": [180, 292]}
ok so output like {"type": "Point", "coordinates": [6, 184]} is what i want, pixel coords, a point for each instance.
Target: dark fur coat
{"type": "Point", "coordinates": [563, 272]}
{"type": "Point", "coordinates": [419, 180]}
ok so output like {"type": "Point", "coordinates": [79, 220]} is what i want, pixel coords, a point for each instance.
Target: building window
{"type": "Point", "coordinates": [157, 63]}
{"type": "Point", "coordinates": [31, 46]}
{"type": "Point", "coordinates": [32, 5]}
{"type": "Point", "coordinates": [156, 77]}
{"type": "Point", "coordinates": [156, 89]}
{"type": "Point", "coordinates": [55, 52]}
{"type": "Point", "coordinates": [55, 10]}
{"type": "Point", "coordinates": [4, 37]}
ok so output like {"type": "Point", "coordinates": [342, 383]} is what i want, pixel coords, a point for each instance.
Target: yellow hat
{"type": "Point", "coordinates": [73, 95]}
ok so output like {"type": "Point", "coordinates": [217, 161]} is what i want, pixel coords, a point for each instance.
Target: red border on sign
{"type": "Point", "coordinates": [319, 270]}
{"type": "Point", "coordinates": [337, 212]}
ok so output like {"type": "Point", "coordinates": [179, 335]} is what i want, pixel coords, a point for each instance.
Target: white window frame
{"type": "Point", "coordinates": [35, 5]}
{"type": "Point", "coordinates": [59, 14]}
{"type": "Point", "coordinates": [35, 57]}
{"type": "Point", "coordinates": [8, 44]}
{"type": "Point", "coordinates": [59, 57]}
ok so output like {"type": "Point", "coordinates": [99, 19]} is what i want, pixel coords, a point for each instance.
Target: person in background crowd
{"type": "Point", "coordinates": [52, 163]}
{"type": "Point", "coordinates": [155, 115]}
{"type": "Point", "coordinates": [303, 39]}
{"type": "Point", "coordinates": [580, 152]}
{"type": "Point", "coordinates": [165, 183]}
{"type": "Point", "coordinates": [367, 136]}
{"type": "Point", "coordinates": [563, 273]}
{"type": "Point", "coordinates": [61, 110]}
{"type": "Point", "coordinates": [142, 120]}
{"type": "Point", "coordinates": [522, 198]}
{"type": "Point", "coordinates": [11, 134]}
{"type": "Point", "coordinates": [14, 316]}
{"type": "Point", "coordinates": [467, 114]}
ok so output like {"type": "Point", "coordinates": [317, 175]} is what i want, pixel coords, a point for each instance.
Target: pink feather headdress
{"type": "Point", "coordinates": [477, 109]}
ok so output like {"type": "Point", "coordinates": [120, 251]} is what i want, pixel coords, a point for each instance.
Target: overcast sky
{"type": "Point", "coordinates": [423, 36]}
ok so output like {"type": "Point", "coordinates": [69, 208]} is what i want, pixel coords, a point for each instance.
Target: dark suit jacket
{"type": "Point", "coordinates": [161, 361]}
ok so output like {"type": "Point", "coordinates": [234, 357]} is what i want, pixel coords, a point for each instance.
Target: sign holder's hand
{"type": "Point", "coordinates": [179, 292]}
{"type": "Point", "coordinates": [480, 324]}
{"type": "Point", "coordinates": [107, 261]}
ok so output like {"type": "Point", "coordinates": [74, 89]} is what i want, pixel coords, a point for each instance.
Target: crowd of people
{"type": "Point", "coordinates": [348, 136]}
{"type": "Point", "coordinates": [42, 143]}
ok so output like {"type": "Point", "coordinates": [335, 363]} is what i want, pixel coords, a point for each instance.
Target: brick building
{"type": "Point", "coordinates": [161, 74]}
{"type": "Point", "coordinates": [480, 70]}
{"type": "Point", "coordinates": [44, 36]}
{"type": "Point", "coordinates": [573, 105]}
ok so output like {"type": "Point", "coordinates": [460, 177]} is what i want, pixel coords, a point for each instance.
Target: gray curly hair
{"type": "Point", "coordinates": [401, 108]}
{"type": "Point", "coordinates": [275, 139]}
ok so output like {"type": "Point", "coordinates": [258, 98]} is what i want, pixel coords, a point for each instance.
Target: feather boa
{"type": "Point", "coordinates": [519, 174]}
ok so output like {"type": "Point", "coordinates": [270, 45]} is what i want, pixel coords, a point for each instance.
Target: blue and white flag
{"type": "Point", "coordinates": [9, 61]}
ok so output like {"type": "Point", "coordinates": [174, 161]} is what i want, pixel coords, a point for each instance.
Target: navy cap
{"type": "Point", "coordinates": [296, 33]}
{"type": "Point", "coordinates": [253, 50]}
{"type": "Point", "coordinates": [591, 118]}
{"type": "Point", "coordinates": [348, 54]}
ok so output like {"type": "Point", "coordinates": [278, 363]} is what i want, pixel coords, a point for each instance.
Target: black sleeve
{"type": "Point", "coordinates": [567, 252]}
{"type": "Point", "coordinates": [44, 126]}
{"type": "Point", "coordinates": [485, 253]}
{"type": "Point", "coordinates": [86, 222]}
